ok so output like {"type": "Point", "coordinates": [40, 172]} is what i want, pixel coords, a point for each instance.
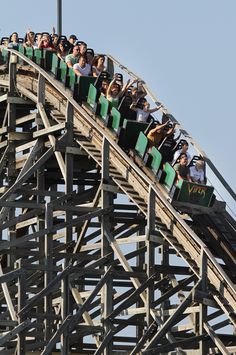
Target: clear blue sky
{"type": "Point", "coordinates": [184, 50]}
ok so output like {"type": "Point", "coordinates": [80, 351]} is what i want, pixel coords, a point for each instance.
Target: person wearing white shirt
{"type": "Point", "coordinates": [82, 68]}
{"type": "Point", "coordinates": [183, 150]}
{"type": "Point", "coordinates": [197, 173]}
{"type": "Point", "coordinates": [144, 112]}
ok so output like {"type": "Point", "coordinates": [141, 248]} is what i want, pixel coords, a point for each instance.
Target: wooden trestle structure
{"type": "Point", "coordinates": [94, 259]}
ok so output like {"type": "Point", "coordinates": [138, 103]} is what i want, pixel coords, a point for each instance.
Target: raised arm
{"type": "Point", "coordinates": [151, 110]}
{"type": "Point", "coordinates": [144, 92]}
{"type": "Point", "coordinates": [40, 44]}
{"type": "Point", "coordinates": [127, 86]}
{"type": "Point", "coordinates": [109, 87]}
{"type": "Point", "coordinates": [171, 130]}
{"type": "Point", "coordinates": [133, 106]}
{"type": "Point", "coordinates": [158, 128]}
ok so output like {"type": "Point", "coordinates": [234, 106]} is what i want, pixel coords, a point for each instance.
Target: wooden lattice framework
{"type": "Point", "coordinates": [94, 258]}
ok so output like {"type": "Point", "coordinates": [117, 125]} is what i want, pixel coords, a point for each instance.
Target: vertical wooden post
{"type": "Point", "coordinates": [69, 163]}
{"type": "Point", "coordinates": [21, 303]}
{"type": "Point", "coordinates": [48, 260]}
{"type": "Point", "coordinates": [107, 298]}
{"type": "Point", "coordinates": [11, 170]}
{"type": "Point", "coordinates": [150, 253]}
{"type": "Point", "coordinates": [164, 262]}
{"type": "Point", "coordinates": [45, 247]}
{"type": "Point", "coordinates": [141, 268]}
{"type": "Point", "coordinates": [202, 307]}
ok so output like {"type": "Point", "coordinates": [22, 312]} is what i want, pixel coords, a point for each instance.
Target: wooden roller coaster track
{"type": "Point", "coordinates": [94, 258]}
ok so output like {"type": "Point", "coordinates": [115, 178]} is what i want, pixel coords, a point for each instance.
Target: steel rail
{"type": "Point", "coordinates": [217, 272]}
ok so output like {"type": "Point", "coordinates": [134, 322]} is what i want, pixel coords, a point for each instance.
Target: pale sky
{"type": "Point", "coordinates": [183, 49]}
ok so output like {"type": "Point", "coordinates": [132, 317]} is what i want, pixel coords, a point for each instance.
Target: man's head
{"type": "Point", "coordinates": [183, 159]}
{"type": "Point", "coordinates": [82, 61]}
{"type": "Point", "coordinates": [75, 51]}
{"type": "Point", "coordinates": [72, 39]}
{"type": "Point", "coordinates": [105, 83]}
{"type": "Point", "coordinates": [184, 146]}
{"type": "Point", "coordinates": [115, 89]}
{"type": "Point", "coordinates": [199, 164]}
{"type": "Point", "coordinates": [146, 105]}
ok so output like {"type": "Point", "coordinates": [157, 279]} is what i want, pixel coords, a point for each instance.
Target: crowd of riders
{"type": "Point", "coordinates": [161, 133]}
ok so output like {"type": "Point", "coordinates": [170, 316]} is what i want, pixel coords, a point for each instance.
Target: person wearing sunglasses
{"type": "Point", "coordinates": [73, 58]}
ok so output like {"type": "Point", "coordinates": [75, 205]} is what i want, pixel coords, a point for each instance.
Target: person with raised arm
{"type": "Point", "coordinates": [144, 112]}
{"type": "Point", "coordinates": [46, 43]}
{"type": "Point", "coordinates": [158, 133]}
{"type": "Point", "coordinates": [115, 92]}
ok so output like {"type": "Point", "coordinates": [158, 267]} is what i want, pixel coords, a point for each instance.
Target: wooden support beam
{"type": "Point", "coordinates": [150, 254]}
{"type": "Point", "coordinates": [29, 164]}
{"type": "Point", "coordinates": [46, 131]}
{"type": "Point", "coordinates": [3, 159]}
{"type": "Point", "coordinates": [132, 298]}
{"type": "Point", "coordinates": [171, 320]}
{"type": "Point", "coordinates": [18, 100]}
{"type": "Point", "coordinates": [8, 298]}
{"type": "Point", "coordinates": [86, 223]}
{"type": "Point", "coordinates": [7, 277]}
{"type": "Point", "coordinates": [24, 119]}
{"type": "Point", "coordinates": [203, 307]}
{"type": "Point", "coordinates": [20, 136]}
{"type": "Point", "coordinates": [52, 139]}
{"type": "Point", "coordinates": [27, 174]}
{"type": "Point", "coordinates": [71, 321]}
{"type": "Point", "coordinates": [27, 93]}
{"type": "Point", "coordinates": [3, 97]}
{"type": "Point", "coordinates": [86, 316]}
{"type": "Point", "coordinates": [69, 270]}
{"type": "Point", "coordinates": [21, 204]}
{"type": "Point", "coordinates": [215, 338]}
{"type": "Point", "coordinates": [106, 201]}
{"type": "Point", "coordinates": [48, 275]}
{"type": "Point", "coordinates": [21, 343]}
{"type": "Point", "coordinates": [3, 130]}
{"type": "Point", "coordinates": [21, 222]}
{"type": "Point", "coordinates": [13, 333]}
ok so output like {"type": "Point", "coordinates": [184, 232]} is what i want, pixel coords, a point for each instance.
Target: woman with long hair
{"type": "Point", "coordinates": [98, 65]}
